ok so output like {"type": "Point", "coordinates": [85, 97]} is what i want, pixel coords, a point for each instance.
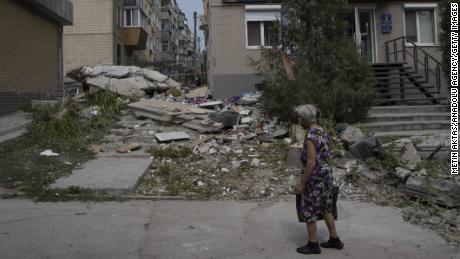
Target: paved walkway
{"type": "Point", "coordinates": [110, 172]}
{"type": "Point", "coordinates": [13, 125]}
{"type": "Point", "coordinates": [189, 229]}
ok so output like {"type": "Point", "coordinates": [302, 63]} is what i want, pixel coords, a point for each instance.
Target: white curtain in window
{"type": "Point", "coordinates": [426, 24]}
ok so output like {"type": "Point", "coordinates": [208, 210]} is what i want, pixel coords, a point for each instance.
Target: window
{"type": "Point", "coordinates": [261, 34]}
{"type": "Point", "coordinates": [260, 25]}
{"type": "Point", "coordinates": [164, 25]}
{"type": "Point", "coordinates": [164, 46]}
{"type": "Point", "coordinates": [132, 18]}
{"type": "Point", "coordinates": [420, 25]}
{"type": "Point", "coordinates": [254, 38]}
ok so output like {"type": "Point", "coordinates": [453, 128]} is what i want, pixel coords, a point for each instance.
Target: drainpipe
{"type": "Point", "coordinates": [61, 59]}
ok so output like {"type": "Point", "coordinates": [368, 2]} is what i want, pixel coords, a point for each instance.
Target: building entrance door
{"type": "Point", "coordinates": [361, 29]}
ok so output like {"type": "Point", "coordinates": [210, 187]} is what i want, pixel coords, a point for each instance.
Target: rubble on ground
{"type": "Point", "coordinates": [228, 149]}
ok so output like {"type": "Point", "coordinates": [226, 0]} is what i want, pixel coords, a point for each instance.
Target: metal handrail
{"type": "Point", "coordinates": [415, 55]}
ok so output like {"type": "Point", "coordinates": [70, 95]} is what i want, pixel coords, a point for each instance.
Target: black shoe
{"type": "Point", "coordinates": [310, 248]}
{"type": "Point", "coordinates": [332, 243]}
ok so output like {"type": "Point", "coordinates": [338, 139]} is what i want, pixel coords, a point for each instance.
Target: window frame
{"type": "Point", "coordinates": [260, 9]}
{"type": "Point", "coordinates": [139, 17]}
{"type": "Point", "coordinates": [417, 8]}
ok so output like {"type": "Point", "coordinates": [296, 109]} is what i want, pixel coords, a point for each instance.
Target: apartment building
{"type": "Point", "coordinates": [236, 30]}
{"type": "Point", "coordinates": [177, 52]}
{"type": "Point", "coordinates": [115, 32]}
{"type": "Point", "coordinates": [31, 50]}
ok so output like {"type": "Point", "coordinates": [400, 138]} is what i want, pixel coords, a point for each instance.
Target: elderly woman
{"type": "Point", "coordinates": [315, 185]}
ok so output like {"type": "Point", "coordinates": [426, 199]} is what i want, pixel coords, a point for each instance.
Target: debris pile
{"type": "Point", "coordinates": [228, 149]}
{"type": "Point", "coordinates": [129, 81]}
{"type": "Point", "coordinates": [410, 173]}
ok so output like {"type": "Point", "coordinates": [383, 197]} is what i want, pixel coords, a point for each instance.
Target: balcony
{"type": "Point", "coordinates": [135, 38]}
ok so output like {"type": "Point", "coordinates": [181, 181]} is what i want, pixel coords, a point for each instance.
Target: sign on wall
{"type": "Point", "coordinates": [386, 23]}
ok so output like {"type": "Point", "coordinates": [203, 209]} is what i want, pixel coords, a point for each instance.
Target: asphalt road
{"type": "Point", "coordinates": [195, 229]}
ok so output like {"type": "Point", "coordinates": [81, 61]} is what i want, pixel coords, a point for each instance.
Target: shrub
{"type": "Point", "coordinates": [444, 35]}
{"type": "Point", "coordinates": [329, 71]}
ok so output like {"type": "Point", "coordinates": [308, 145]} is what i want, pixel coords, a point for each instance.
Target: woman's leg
{"type": "Point", "coordinates": [312, 232]}
{"type": "Point", "coordinates": [330, 223]}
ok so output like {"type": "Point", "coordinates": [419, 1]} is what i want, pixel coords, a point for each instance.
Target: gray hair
{"type": "Point", "coordinates": [306, 112]}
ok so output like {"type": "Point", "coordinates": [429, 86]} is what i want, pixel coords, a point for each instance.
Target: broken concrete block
{"type": "Point", "coordinates": [203, 149]}
{"type": "Point", "coordinates": [201, 92]}
{"type": "Point", "coordinates": [281, 133]}
{"type": "Point", "coordinates": [442, 191]}
{"type": "Point", "coordinates": [248, 136]}
{"type": "Point", "coordinates": [166, 111]}
{"type": "Point", "coordinates": [126, 87]}
{"type": "Point", "coordinates": [212, 151]}
{"type": "Point", "coordinates": [210, 104]}
{"type": "Point", "coordinates": [402, 173]}
{"type": "Point", "coordinates": [255, 162]}
{"type": "Point", "coordinates": [410, 155]}
{"type": "Point", "coordinates": [351, 135]}
{"type": "Point", "coordinates": [137, 82]}
{"type": "Point", "coordinates": [152, 75]}
{"type": "Point", "coordinates": [249, 99]}
{"type": "Point", "coordinates": [247, 120]}
{"type": "Point", "coordinates": [118, 71]}
{"type": "Point", "coordinates": [365, 148]}
{"type": "Point", "coordinates": [245, 112]}
{"type": "Point", "coordinates": [100, 82]}
{"type": "Point", "coordinates": [174, 91]}
{"type": "Point", "coordinates": [203, 126]}
{"type": "Point", "coordinates": [109, 71]}
{"type": "Point", "coordinates": [172, 136]}
{"type": "Point", "coordinates": [172, 83]}
{"type": "Point", "coordinates": [227, 118]}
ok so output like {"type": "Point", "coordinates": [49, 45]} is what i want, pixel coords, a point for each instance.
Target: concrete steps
{"type": "Point", "coordinates": [405, 121]}
{"type": "Point", "coordinates": [442, 116]}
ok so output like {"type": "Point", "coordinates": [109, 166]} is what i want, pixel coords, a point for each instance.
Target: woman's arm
{"type": "Point", "coordinates": [308, 170]}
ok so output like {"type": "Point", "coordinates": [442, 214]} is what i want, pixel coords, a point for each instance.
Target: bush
{"type": "Point", "coordinates": [444, 36]}
{"type": "Point", "coordinates": [329, 71]}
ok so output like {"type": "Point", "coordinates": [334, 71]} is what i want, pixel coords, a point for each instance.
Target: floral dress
{"type": "Point", "coordinates": [317, 195]}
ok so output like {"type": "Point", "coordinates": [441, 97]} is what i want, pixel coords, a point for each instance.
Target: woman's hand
{"type": "Point", "coordinates": [298, 188]}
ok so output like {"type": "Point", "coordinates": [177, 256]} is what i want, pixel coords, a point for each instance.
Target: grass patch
{"type": "Point", "coordinates": [384, 159]}
{"type": "Point", "coordinates": [66, 131]}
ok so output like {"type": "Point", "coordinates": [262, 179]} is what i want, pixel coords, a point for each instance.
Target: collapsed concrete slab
{"type": "Point", "coordinates": [201, 92]}
{"type": "Point", "coordinates": [152, 75]}
{"type": "Point", "coordinates": [109, 71]}
{"type": "Point", "coordinates": [173, 83]}
{"type": "Point", "coordinates": [204, 126]}
{"type": "Point", "coordinates": [165, 111]}
{"type": "Point", "coordinates": [351, 135]}
{"type": "Point", "coordinates": [442, 191]}
{"type": "Point", "coordinates": [126, 87]}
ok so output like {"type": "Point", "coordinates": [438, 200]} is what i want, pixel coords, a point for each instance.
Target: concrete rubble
{"type": "Point", "coordinates": [228, 149]}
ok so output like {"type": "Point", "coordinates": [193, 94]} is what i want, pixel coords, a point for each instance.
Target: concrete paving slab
{"type": "Point", "coordinates": [192, 229]}
{"type": "Point", "coordinates": [172, 136]}
{"type": "Point", "coordinates": [13, 125]}
{"type": "Point", "coordinates": [107, 173]}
